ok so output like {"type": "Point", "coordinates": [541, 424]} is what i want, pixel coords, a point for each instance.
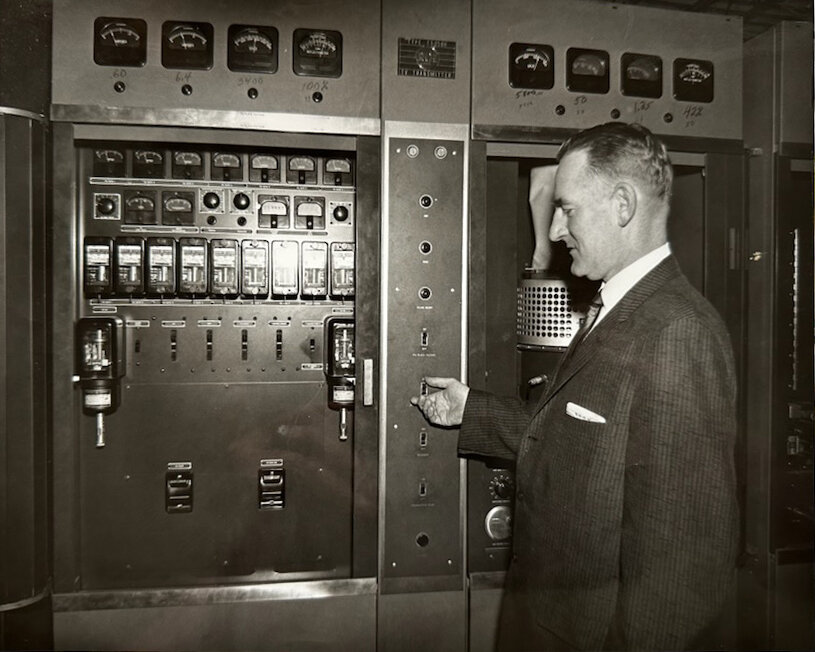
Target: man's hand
{"type": "Point", "coordinates": [444, 408]}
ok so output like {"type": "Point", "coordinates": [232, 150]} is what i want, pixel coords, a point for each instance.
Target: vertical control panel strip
{"type": "Point", "coordinates": [424, 334]}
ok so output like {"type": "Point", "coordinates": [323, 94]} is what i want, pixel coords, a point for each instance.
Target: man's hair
{"type": "Point", "coordinates": [617, 150]}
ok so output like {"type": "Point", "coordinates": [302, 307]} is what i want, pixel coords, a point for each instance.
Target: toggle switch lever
{"type": "Point", "coordinates": [343, 424]}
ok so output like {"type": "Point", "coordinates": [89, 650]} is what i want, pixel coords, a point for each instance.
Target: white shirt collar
{"type": "Point", "coordinates": [618, 285]}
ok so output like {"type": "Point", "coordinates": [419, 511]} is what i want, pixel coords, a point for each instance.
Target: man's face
{"type": "Point", "coordinates": [584, 218]}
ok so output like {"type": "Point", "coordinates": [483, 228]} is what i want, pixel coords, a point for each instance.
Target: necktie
{"type": "Point", "coordinates": [591, 317]}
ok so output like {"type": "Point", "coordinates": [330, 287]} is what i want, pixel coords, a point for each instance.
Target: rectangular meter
{"type": "Point", "coordinates": [285, 268]}
{"type": "Point", "coordinates": [129, 266]}
{"type": "Point", "coordinates": [192, 262]}
{"type": "Point", "coordinates": [342, 269]}
{"type": "Point", "coordinates": [273, 212]}
{"type": "Point", "coordinates": [315, 269]}
{"type": "Point", "coordinates": [98, 277]}
{"type": "Point", "coordinates": [309, 213]}
{"type": "Point", "coordinates": [160, 257]}
{"type": "Point", "coordinates": [224, 271]}
{"type": "Point", "coordinates": [255, 265]}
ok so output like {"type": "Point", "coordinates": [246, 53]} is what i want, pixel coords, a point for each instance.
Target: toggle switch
{"type": "Point", "coordinates": [178, 488]}
{"type": "Point", "coordinates": [279, 344]}
{"type": "Point", "coordinates": [271, 485]}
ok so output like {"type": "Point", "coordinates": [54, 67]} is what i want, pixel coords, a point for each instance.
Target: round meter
{"type": "Point", "coordinates": [252, 49]}
{"type": "Point", "coordinates": [148, 164]}
{"type": "Point", "coordinates": [531, 66]}
{"type": "Point", "coordinates": [119, 42]}
{"type": "Point", "coordinates": [186, 45]}
{"type": "Point", "coordinates": [317, 53]}
{"type": "Point", "coordinates": [587, 71]}
{"type": "Point", "coordinates": [641, 75]}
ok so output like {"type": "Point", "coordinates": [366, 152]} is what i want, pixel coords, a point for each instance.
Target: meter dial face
{"type": "Point", "coordinates": [224, 160]}
{"type": "Point", "coordinates": [301, 163]}
{"type": "Point", "coordinates": [317, 53]}
{"type": "Point", "coordinates": [531, 66]}
{"type": "Point", "coordinates": [252, 49]}
{"type": "Point", "coordinates": [186, 45]}
{"type": "Point", "coordinates": [693, 80]}
{"type": "Point", "coordinates": [338, 165]}
{"type": "Point", "coordinates": [641, 75]}
{"type": "Point", "coordinates": [587, 71]}
{"type": "Point", "coordinates": [187, 165]}
{"type": "Point", "coordinates": [148, 163]}
{"type": "Point", "coordinates": [263, 161]}
{"type": "Point", "coordinates": [108, 163]}
{"type": "Point", "coordinates": [119, 42]}
{"type": "Point", "coordinates": [264, 168]}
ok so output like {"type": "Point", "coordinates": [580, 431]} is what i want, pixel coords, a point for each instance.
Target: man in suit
{"type": "Point", "coordinates": [626, 517]}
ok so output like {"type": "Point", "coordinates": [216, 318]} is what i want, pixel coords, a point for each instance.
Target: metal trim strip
{"type": "Point", "coordinates": [22, 113]}
{"type": "Point", "coordinates": [284, 122]}
{"type": "Point", "coordinates": [25, 602]}
{"type": "Point", "coordinates": [556, 135]}
{"type": "Point", "coordinates": [140, 598]}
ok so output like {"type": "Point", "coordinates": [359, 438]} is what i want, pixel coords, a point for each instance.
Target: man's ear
{"type": "Point", "coordinates": [624, 202]}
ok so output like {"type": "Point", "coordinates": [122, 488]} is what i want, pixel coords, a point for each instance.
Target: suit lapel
{"type": "Point", "coordinates": [610, 325]}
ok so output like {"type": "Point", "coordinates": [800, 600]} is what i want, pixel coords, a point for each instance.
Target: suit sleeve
{"type": "Point", "coordinates": [680, 514]}
{"type": "Point", "coordinates": [493, 425]}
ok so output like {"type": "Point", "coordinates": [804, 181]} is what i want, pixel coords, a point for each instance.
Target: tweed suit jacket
{"type": "Point", "coordinates": [625, 525]}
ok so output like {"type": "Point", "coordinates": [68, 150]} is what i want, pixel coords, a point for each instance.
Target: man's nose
{"type": "Point", "coordinates": [558, 230]}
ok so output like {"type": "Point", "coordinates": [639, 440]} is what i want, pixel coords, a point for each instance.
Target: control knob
{"type": "Point", "coordinates": [241, 201]}
{"type": "Point", "coordinates": [105, 206]}
{"type": "Point", "coordinates": [502, 487]}
{"type": "Point", "coordinates": [211, 200]}
{"type": "Point", "coordinates": [498, 523]}
{"type": "Point", "coordinates": [341, 213]}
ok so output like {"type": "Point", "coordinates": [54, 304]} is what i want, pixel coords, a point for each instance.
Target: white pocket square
{"type": "Point", "coordinates": [579, 412]}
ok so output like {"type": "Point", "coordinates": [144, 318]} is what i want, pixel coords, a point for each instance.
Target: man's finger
{"type": "Point", "coordinates": [438, 381]}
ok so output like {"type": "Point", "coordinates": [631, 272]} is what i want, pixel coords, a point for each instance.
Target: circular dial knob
{"type": "Point", "coordinates": [241, 201]}
{"type": "Point", "coordinates": [341, 213]}
{"type": "Point", "coordinates": [502, 487]}
{"type": "Point", "coordinates": [105, 205]}
{"type": "Point", "coordinates": [211, 200]}
{"type": "Point", "coordinates": [498, 523]}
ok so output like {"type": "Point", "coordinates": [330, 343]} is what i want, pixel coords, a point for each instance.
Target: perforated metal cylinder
{"type": "Point", "coordinates": [546, 318]}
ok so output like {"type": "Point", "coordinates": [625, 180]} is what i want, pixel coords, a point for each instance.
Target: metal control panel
{"type": "Point", "coordinates": [571, 65]}
{"type": "Point", "coordinates": [223, 266]}
{"type": "Point", "coordinates": [283, 66]}
{"type": "Point", "coordinates": [425, 300]}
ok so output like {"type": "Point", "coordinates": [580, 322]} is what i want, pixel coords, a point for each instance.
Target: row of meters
{"type": "Point", "coordinates": [532, 66]}
{"type": "Point", "coordinates": [197, 268]}
{"type": "Point", "coordinates": [196, 164]}
{"type": "Point", "coordinates": [189, 45]}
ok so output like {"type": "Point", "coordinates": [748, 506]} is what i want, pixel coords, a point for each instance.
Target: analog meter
{"type": "Point", "coordinates": [317, 53]}
{"type": "Point", "coordinates": [187, 165]}
{"type": "Point", "coordinates": [693, 80]}
{"type": "Point", "coordinates": [531, 66]}
{"type": "Point", "coordinates": [252, 49]}
{"type": "Point", "coordinates": [119, 42]}
{"type": "Point", "coordinates": [587, 71]}
{"type": "Point", "coordinates": [186, 45]}
{"type": "Point", "coordinates": [641, 75]}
